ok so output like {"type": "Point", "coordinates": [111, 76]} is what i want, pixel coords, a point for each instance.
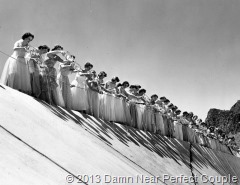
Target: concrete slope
{"type": "Point", "coordinates": [214, 166]}
{"type": "Point", "coordinates": [22, 165]}
{"type": "Point", "coordinates": [67, 142]}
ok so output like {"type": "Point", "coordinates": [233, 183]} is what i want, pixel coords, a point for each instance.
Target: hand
{"type": "Point", "coordinates": [26, 48]}
{"type": "Point", "coordinates": [62, 52]}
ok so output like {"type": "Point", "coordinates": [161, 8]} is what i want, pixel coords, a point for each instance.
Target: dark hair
{"type": "Point", "coordinates": [174, 107]}
{"type": "Point", "coordinates": [26, 35]}
{"type": "Point", "coordinates": [185, 113]}
{"type": "Point", "coordinates": [178, 111]}
{"type": "Point", "coordinates": [56, 47]}
{"type": "Point", "coordinates": [115, 78]}
{"type": "Point", "coordinates": [94, 73]}
{"type": "Point", "coordinates": [119, 85]}
{"type": "Point", "coordinates": [138, 86]}
{"type": "Point", "coordinates": [125, 82]}
{"type": "Point", "coordinates": [154, 95]}
{"type": "Point", "coordinates": [167, 100]}
{"type": "Point", "coordinates": [102, 73]}
{"type": "Point", "coordinates": [88, 64]}
{"type": "Point", "coordinates": [40, 47]}
{"type": "Point", "coordinates": [133, 86]}
{"type": "Point", "coordinates": [45, 47]}
{"type": "Point", "coordinates": [142, 90]}
{"type": "Point", "coordinates": [170, 105]}
{"type": "Point", "coordinates": [195, 116]}
{"type": "Point", "coordinates": [191, 113]}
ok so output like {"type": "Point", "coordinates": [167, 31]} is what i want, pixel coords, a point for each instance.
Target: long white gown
{"type": "Point", "coordinates": [79, 93]}
{"type": "Point", "coordinates": [16, 70]}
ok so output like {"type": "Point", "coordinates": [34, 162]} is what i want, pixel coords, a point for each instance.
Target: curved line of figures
{"type": "Point", "coordinates": [34, 73]}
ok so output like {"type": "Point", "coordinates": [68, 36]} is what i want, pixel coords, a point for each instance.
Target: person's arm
{"type": "Point", "coordinates": [52, 53]}
{"type": "Point", "coordinates": [65, 67]}
{"type": "Point", "coordinates": [85, 74]}
{"type": "Point", "coordinates": [104, 89]}
{"type": "Point", "coordinates": [18, 46]}
{"type": "Point", "coordinates": [90, 85]}
{"type": "Point", "coordinates": [57, 58]}
{"type": "Point", "coordinates": [106, 85]}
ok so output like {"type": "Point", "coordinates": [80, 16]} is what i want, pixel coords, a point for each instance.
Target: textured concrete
{"type": "Point", "coordinates": [67, 142]}
{"type": "Point", "coordinates": [211, 165]}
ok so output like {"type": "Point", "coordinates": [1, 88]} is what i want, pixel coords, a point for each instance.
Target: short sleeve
{"type": "Point", "coordinates": [17, 44]}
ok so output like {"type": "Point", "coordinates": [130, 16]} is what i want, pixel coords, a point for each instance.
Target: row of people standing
{"type": "Point", "coordinates": [34, 73]}
{"type": "Point", "coordinates": [114, 103]}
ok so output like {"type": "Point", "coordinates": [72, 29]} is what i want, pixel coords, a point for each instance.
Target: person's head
{"type": "Point", "coordinates": [174, 108]}
{"type": "Point", "coordinates": [88, 66]}
{"type": "Point", "coordinates": [190, 115]}
{"type": "Point", "coordinates": [27, 37]}
{"type": "Point", "coordinates": [185, 114]}
{"type": "Point", "coordinates": [133, 88]}
{"type": "Point", "coordinates": [119, 85]}
{"type": "Point", "coordinates": [199, 121]}
{"type": "Point", "coordinates": [94, 74]}
{"type": "Point", "coordinates": [115, 79]}
{"type": "Point", "coordinates": [142, 92]}
{"type": "Point", "coordinates": [154, 97]}
{"type": "Point", "coordinates": [170, 105]}
{"type": "Point", "coordinates": [178, 112]}
{"type": "Point", "coordinates": [162, 98]}
{"type": "Point", "coordinates": [166, 101]}
{"type": "Point", "coordinates": [57, 47]}
{"type": "Point", "coordinates": [195, 117]}
{"type": "Point", "coordinates": [102, 75]}
{"type": "Point", "coordinates": [43, 49]}
{"type": "Point", "coordinates": [138, 87]}
{"type": "Point", "coordinates": [72, 58]}
{"type": "Point", "coordinates": [203, 124]}
{"type": "Point", "coordinates": [125, 84]}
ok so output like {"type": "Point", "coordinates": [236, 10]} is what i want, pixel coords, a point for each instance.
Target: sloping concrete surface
{"type": "Point", "coordinates": [214, 166]}
{"type": "Point", "coordinates": [67, 142]}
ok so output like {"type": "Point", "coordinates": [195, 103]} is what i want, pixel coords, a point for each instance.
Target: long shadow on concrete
{"type": "Point", "coordinates": [203, 158]}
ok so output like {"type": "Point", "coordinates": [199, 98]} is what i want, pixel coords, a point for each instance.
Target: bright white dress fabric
{"type": "Point", "coordinates": [79, 93]}
{"type": "Point", "coordinates": [16, 71]}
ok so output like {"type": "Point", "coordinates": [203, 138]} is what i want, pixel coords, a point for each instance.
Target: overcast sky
{"type": "Point", "coordinates": [186, 50]}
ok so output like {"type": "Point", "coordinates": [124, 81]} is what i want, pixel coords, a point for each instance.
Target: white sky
{"type": "Point", "coordinates": [186, 50]}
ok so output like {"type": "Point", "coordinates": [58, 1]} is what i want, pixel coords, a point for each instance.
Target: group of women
{"type": "Point", "coordinates": [34, 73]}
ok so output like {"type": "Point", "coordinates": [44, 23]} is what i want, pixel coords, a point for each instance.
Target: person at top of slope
{"type": "Point", "coordinates": [16, 70]}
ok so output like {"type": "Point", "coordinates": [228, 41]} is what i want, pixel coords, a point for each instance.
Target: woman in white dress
{"type": "Point", "coordinates": [100, 81]}
{"type": "Point", "coordinates": [93, 94]}
{"type": "Point", "coordinates": [79, 90]}
{"type": "Point", "coordinates": [109, 101]}
{"type": "Point", "coordinates": [63, 81]}
{"type": "Point", "coordinates": [50, 91]}
{"type": "Point", "coordinates": [35, 65]}
{"type": "Point", "coordinates": [16, 70]}
{"type": "Point", "coordinates": [119, 106]}
{"type": "Point", "coordinates": [125, 95]}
